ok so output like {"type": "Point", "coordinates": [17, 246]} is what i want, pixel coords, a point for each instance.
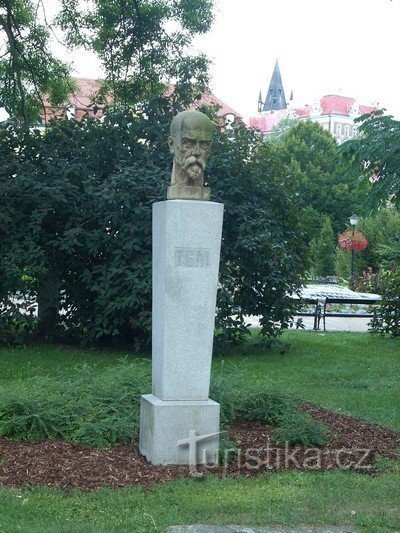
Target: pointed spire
{"type": "Point", "coordinates": [275, 98]}
{"type": "Point", "coordinates": [260, 102]}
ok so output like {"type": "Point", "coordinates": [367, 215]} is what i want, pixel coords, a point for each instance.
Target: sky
{"type": "Point", "coordinates": [347, 47]}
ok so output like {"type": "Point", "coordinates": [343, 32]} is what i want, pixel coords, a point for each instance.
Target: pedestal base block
{"type": "Point", "coordinates": [188, 192]}
{"type": "Point", "coordinates": [165, 424]}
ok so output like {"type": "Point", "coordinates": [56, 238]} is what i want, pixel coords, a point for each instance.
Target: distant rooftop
{"type": "Point", "coordinates": [82, 98]}
{"type": "Point", "coordinates": [331, 104]}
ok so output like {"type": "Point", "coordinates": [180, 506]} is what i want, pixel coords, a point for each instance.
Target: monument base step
{"type": "Point", "coordinates": [178, 432]}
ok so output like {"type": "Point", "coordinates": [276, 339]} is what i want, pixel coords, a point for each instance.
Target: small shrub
{"type": "Point", "coordinates": [299, 428]}
{"type": "Point", "coordinates": [102, 408]}
{"type": "Point", "coordinates": [243, 402]}
{"type": "Point", "coordinates": [94, 409]}
{"type": "Point", "coordinates": [386, 318]}
{"type": "Point", "coordinates": [265, 407]}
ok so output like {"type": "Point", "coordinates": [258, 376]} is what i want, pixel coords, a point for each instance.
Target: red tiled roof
{"type": "Point", "coordinates": [303, 111]}
{"type": "Point", "coordinates": [330, 104]}
{"type": "Point", "coordinates": [364, 109]}
{"type": "Point", "coordinates": [87, 87]}
{"type": "Point", "coordinates": [269, 121]}
{"type": "Point", "coordinates": [339, 105]}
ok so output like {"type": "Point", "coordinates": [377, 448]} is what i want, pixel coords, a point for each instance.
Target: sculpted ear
{"type": "Point", "coordinates": [171, 144]}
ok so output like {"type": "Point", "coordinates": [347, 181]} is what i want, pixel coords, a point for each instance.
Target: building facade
{"type": "Point", "coordinates": [335, 113]}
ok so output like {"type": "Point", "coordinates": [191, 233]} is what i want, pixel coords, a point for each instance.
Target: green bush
{"type": "Point", "coordinates": [102, 408]}
{"type": "Point", "coordinates": [265, 407]}
{"type": "Point", "coordinates": [93, 409]}
{"type": "Point", "coordinates": [386, 318]}
{"type": "Point", "coordinates": [299, 428]}
{"type": "Point", "coordinates": [76, 204]}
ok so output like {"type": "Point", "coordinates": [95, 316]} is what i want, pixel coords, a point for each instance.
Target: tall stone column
{"type": "Point", "coordinates": [186, 255]}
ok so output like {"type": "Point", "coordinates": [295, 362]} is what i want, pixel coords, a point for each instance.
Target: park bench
{"type": "Point", "coordinates": [347, 301]}
{"type": "Point", "coordinates": [316, 312]}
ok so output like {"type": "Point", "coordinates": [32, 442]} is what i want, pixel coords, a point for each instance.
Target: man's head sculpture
{"type": "Point", "coordinates": [190, 143]}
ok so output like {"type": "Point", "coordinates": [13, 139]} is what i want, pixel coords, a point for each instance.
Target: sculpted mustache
{"type": "Point", "coordinates": [193, 160]}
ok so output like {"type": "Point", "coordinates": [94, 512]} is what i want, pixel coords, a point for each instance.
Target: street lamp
{"type": "Point", "coordinates": [353, 221]}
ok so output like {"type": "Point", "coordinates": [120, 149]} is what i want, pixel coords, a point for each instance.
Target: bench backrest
{"type": "Point", "coordinates": [360, 301]}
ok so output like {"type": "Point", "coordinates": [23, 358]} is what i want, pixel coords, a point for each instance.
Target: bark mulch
{"type": "Point", "coordinates": [354, 444]}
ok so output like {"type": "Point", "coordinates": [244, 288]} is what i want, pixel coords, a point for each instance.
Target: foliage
{"type": "Point", "coordinates": [239, 402]}
{"type": "Point", "coordinates": [76, 203]}
{"type": "Point", "coordinates": [301, 429]}
{"type": "Point", "coordinates": [375, 154]}
{"type": "Point", "coordinates": [369, 281]}
{"type": "Point", "coordinates": [143, 44]}
{"type": "Point", "coordinates": [281, 128]}
{"type": "Point", "coordinates": [28, 70]}
{"type": "Point", "coordinates": [387, 316]}
{"type": "Point", "coordinates": [100, 409]}
{"type": "Point", "coordinates": [265, 407]}
{"type": "Point", "coordinates": [14, 324]}
{"type": "Point", "coordinates": [323, 251]}
{"type": "Point", "coordinates": [262, 257]}
{"type": "Point", "coordinates": [86, 190]}
{"type": "Point", "coordinates": [382, 230]}
{"type": "Point", "coordinates": [320, 177]}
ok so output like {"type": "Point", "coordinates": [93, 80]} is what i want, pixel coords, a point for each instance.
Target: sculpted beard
{"type": "Point", "coordinates": [194, 167]}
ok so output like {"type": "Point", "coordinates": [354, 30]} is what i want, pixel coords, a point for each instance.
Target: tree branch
{"type": "Point", "coordinates": [6, 23]}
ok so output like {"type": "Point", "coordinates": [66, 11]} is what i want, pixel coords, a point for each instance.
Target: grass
{"type": "Point", "coordinates": [56, 361]}
{"type": "Point", "coordinates": [289, 498]}
{"type": "Point", "coordinates": [357, 374]}
{"type": "Point", "coordinates": [352, 373]}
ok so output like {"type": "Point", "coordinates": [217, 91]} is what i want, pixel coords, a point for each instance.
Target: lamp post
{"type": "Point", "coordinates": [353, 221]}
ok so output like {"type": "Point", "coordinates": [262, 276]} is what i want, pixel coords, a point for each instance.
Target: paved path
{"type": "Point", "coordinates": [243, 529]}
{"type": "Point", "coordinates": [356, 324]}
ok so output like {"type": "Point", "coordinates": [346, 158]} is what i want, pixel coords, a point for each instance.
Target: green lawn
{"type": "Point", "coordinates": [356, 374]}
{"type": "Point", "coordinates": [352, 373]}
{"type": "Point", "coordinates": [334, 498]}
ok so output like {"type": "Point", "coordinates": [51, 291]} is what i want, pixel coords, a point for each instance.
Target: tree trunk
{"type": "Point", "coordinates": [48, 300]}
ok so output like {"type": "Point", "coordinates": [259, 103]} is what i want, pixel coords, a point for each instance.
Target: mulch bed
{"type": "Point", "coordinates": [354, 444]}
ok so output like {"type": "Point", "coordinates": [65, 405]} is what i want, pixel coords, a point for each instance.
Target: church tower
{"type": "Point", "coordinates": [275, 98]}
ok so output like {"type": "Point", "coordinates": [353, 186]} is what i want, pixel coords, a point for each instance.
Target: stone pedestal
{"type": "Point", "coordinates": [186, 254]}
{"type": "Point", "coordinates": [165, 427]}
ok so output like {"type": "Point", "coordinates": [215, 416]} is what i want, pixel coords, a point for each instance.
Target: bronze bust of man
{"type": "Point", "coordinates": [190, 144]}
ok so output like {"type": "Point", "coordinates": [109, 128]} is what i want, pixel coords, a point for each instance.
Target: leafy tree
{"type": "Point", "coordinates": [382, 230]}
{"type": "Point", "coordinates": [283, 127]}
{"type": "Point", "coordinates": [375, 155]}
{"type": "Point", "coordinates": [386, 318]}
{"type": "Point", "coordinates": [142, 44]}
{"type": "Point", "coordinates": [28, 70]}
{"type": "Point", "coordinates": [323, 251]}
{"type": "Point", "coordinates": [320, 176]}
{"type": "Point", "coordinates": [77, 202]}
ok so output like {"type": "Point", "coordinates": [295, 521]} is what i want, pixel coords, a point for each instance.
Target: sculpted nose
{"type": "Point", "coordinates": [196, 149]}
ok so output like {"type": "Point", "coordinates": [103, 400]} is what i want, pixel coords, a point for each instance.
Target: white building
{"type": "Point", "coordinates": [335, 113]}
